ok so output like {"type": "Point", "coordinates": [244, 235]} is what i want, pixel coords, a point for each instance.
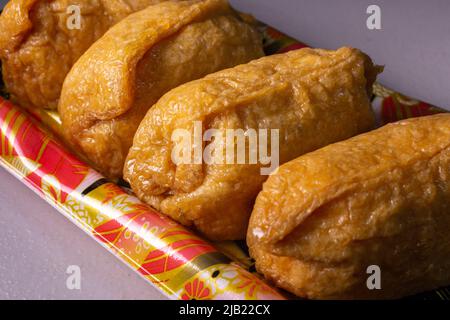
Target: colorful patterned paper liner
{"type": "Point", "coordinates": [168, 255]}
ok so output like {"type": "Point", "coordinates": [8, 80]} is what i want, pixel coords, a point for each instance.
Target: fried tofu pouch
{"type": "Point", "coordinates": [40, 42]}
{"type": "Point", "coordinates": [111, 87]}
{"type": "Point", "coordinates": [313, 97]}
{"type": "Point", "coordinates": [379, 199]}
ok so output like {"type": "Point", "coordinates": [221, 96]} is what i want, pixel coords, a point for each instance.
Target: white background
{"type": "Point", "coordinates": [37, 244]}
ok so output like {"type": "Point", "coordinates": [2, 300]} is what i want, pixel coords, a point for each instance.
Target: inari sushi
{"type": "Point", "coordinates": [366, 218]}
{"type": "Point", "coordinates": [302, 100]}
{"type": "Point", "coordinates": [109, 90]}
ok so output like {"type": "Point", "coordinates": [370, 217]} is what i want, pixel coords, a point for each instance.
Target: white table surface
{"type": "Point", "coordinates": [37, 244]}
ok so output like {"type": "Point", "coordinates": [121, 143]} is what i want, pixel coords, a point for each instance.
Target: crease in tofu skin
{"type": "Point", "coordinates": [314, 97]}
{"type": "Point", "coordinates": [38, 49]}
{"type": "Point", "coordinates": [111, 87]}
{"type": "Point", "coordinates": [381, 198]}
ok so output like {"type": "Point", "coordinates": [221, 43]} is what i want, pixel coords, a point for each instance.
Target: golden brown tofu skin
{"type": "Point", "coordinates": [381, 198]}
{"type": "Point", "coordinates": [109, 90]}
{"type": "Point", "coordinates": [314, 97]}
{"type": "Point", "coordinates": [38, 46]}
